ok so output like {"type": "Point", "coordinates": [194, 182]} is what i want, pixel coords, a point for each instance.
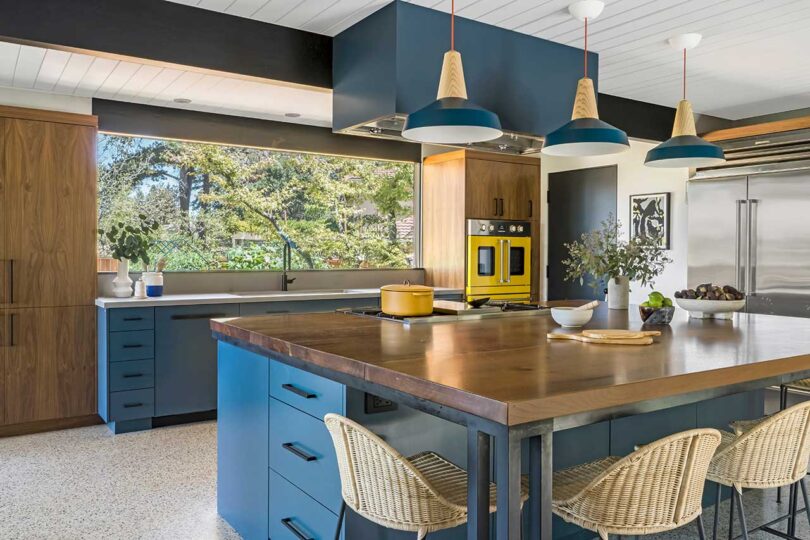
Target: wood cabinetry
{"type": "Point", "coordinates": [47, 269]}
{"type": "Point", "coordinates": [462, 185]}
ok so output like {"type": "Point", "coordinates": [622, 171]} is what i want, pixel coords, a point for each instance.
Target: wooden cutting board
{"type": "Point", "coordinates": [620, 334]}
{"type": "Point", "coordinates": [644, 340]}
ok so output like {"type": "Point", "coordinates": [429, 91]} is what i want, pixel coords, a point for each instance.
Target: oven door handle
{"type": "Point", "coordinates": [500, 256]}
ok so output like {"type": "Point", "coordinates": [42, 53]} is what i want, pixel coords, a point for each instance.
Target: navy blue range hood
{"type": "Point", "coordinates": [388, 65]}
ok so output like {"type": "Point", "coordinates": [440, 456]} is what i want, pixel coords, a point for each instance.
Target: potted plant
{"type": "Point", "coordinates": [128, 244]}
{"type": "Point", "coordinates": [607, 257]}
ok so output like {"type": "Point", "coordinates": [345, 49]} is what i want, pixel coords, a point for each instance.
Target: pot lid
{"type": "Point", "coordinates": [406, 287]}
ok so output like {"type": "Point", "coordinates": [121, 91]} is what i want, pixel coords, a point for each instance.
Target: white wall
{"type": "Point", "coordinates": [40, 100]}
{"type": "Point", "coordinates": [634, 178]}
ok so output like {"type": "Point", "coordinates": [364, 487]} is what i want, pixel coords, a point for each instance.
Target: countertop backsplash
{"type": "Point", "coordinates": [227, 282]}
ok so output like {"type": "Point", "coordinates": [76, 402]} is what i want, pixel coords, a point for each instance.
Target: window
{"type": "Point", "coordinates": [233, 208]}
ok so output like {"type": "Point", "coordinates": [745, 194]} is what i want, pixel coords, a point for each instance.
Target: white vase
{"type": "Point", "coordinates": [619, 292]}
{"type": "Point", "coordinates": [122, 283]}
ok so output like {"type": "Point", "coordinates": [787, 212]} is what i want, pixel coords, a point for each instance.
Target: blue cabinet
{"type": "Point", "coordinates": [186, 358]}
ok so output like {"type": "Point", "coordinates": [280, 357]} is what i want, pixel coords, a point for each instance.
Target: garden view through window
{"type": "Point", "coordinates": [234, 208]}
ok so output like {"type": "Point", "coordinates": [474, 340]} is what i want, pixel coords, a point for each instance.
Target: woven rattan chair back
{"type": "Point", "coordinates": [656, 488]}
{"type": "Point", "coordinates": [773, 453]}
{"type": "Point", "coordinates": [381, 485]}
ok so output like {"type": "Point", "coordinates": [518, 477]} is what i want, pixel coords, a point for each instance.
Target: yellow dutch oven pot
{"type": "Point", "coordinates": [406, 300]}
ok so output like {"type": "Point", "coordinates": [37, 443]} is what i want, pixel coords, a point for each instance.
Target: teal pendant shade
{"type": "Point", "coordinates": [685, 151]}
{"type": "Point", "coordinates": [452, 120]}
{"type": "Point", "coordinates": [585, 137]}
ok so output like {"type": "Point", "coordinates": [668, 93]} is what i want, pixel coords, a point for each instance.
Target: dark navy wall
{"type": "Point", "coordinates": [529, 82]}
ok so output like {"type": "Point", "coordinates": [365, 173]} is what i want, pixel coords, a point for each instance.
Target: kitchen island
{"type": "Point", "coordinates": [501, 380]}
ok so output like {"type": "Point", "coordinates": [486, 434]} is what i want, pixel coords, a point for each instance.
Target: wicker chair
{"type": "Point", "coordinates": [803, 385]}
{"type": "Point", "coordinates": [656, 488]}
{"type": "Point", "coordinates": [767, 453]}
{"type": "Point", "coordinates": [421, 494]}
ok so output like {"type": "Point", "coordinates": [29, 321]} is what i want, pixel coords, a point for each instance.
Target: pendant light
{"type": "Point", "coordinates": [685, 148]}
{"type": "Point", "coordinates": [585, 134]}
{"type": "Point", "coordinates": [452, 118]}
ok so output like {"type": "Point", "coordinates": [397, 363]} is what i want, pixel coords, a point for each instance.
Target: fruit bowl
{"type": "Point", "coordinates": [710, 309]}
{"type": "Point", "coordinates": [656, 316]}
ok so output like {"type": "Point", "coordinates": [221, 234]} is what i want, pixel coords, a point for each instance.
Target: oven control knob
{"type": "Point", "coordinates": [483, 227]}
{"type": "Point", "coordinates": [512, 228]}
{"type": "Point", "coordinates": [492, 227]}
{"type": "Point", "coordinates": [520, 228]}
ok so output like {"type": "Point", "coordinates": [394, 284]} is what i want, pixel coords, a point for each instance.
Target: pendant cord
{"type": "Point", "coordinates": [684, 73]}
{"type": "Point", "coordinates": [586, 47]}
{"type": "Point", "coordinates": [452, 25]}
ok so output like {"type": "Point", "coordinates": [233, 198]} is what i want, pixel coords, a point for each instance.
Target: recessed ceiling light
{"type": "Point", "coordinates": [292, 115]}
{"type": "Point", "coordinates": [182, 100]}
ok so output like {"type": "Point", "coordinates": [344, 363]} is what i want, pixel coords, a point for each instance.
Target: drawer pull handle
{"type": "Point", "coordinates": [297, 452]}
{"type": "Point", "coordinates": [130, 319]}
{"type": "Point", "coordinates": [190, 317]}
{"type": "Point", "coordinates": [132, 375]}
{"type": "Point", "coordinates": [277, 311]}
{"type": "Point", "coordinates": [132, 405]}
{"type": "Point", "coordinates": [297, 391]}
{"type": "Point", "coordinates": [133, 346]}
{"type": "Point", "coordinates": [287, 522]}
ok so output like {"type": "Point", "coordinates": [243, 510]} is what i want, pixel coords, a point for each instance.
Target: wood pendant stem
{"type": "Point", "coordinates": [684, 120]}
{"type": "Point", "coordinates": [451, 83]}
{"type": "Point", "coordinates": [585, 101]}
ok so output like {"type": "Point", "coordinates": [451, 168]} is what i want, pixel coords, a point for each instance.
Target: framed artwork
{"type": "Point", "coordinates": [649, 216]}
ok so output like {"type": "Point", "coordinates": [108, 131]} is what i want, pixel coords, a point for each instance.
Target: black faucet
{"type": "Point", "coordinates": [286, 263]}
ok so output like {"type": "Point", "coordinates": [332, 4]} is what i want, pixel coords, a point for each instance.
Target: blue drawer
{"type": "Point", "coordinates": [132, 319]}
{"type": "Point", "coordinates": [301, 450]}
{"type": "Point", "coordinates": [132, 404]}
{"type": "Point", "coordinates": [137, 345]}
{"type": "Point", "coordinates": [307, 392]}
{"type": "Point", "coordinates": [132, 375]}
{"type": "Point", "coordinates": [293, 510]}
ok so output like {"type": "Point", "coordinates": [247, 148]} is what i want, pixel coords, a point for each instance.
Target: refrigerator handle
{"type": "Point", "coordinates": [751, 273]}
{"type": "Point", "coordinates": [737, 248]}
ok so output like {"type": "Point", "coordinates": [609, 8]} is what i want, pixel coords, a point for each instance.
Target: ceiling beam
{"type": "Point", "coordinates": [168, 33]}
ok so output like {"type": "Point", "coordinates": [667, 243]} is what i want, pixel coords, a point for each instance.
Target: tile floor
{"type": "Point", "coordinates": [160, 484]}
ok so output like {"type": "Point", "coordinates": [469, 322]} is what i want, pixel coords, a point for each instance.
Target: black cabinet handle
{"type": "Point", "coordinates": [11, 281]}
{"type": "Point", "coordinates": [297, 391]}
{"type": "Point", "coordinates": [287, 522]}
{"type": "Point", "coordinates": [496, 206]}
{"type": "Point", "coordinates": [132, 375]}
{"type": "Point", "coordinates": [200, 316]}
{"type": "Point", "coordinates": [132, 405]}
{"type": "Point", "coordinates": [128, 319]}
{"type": "Point", "coordinates": [271, 311]}
{"type": "Point", "coordinates": [133, 346]}
{"type": "Point", "coordinates": [530, 208]}
{"type": "Point", "coordinates": [297, 452]}
{"type": "Point", "coordinates": [501, 212]}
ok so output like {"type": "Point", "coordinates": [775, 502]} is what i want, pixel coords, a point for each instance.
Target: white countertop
{"type": "Point", "coordinates": [247, 297]}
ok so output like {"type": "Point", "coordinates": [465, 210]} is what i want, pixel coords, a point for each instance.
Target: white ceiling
{"type": "Point", "coordinates": [60, 72]}
{"type": "Point", "coordinates": [753, 59]}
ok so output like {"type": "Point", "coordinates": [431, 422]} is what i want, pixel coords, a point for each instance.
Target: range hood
{"type": "Point", "coordinates": [388, 65]}
{"type": "Point", "coordinates": [784, 151]}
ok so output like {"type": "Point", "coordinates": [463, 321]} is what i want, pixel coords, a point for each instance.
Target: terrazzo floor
{"type": "Point", "coordinates": [161, 484]}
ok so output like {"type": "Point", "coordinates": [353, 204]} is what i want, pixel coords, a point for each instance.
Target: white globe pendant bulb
{"type": "Point", "coordinates": [586, 9]}
{"type": "Point", "coordinates": [685, 41]}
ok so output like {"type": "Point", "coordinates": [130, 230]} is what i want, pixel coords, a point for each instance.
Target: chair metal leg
{"type": "Point", "coordinates": [791, 496]}
{"type": "Point", "coordinates": [782, 406]}
{"type": "Point", "coordinates": [731, 515]}
{"type": "Point", "coordinates": [736, 495]}
{"type": "Point", "coordinates": [717, 511]}
{"type": "Point", "coordinates": [341, 518]}
{"type": "Point", "coordinates": [701, 529]}
{"type": "Point", "coordinates": [793, 508]}
{"type": "Point", "coordinates": [806, 499]}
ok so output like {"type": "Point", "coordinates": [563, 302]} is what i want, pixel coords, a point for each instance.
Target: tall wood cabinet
{"type": "Point", "coordinates": [466, 184]}
{"type": "Point", "coordinates": [47, 268]}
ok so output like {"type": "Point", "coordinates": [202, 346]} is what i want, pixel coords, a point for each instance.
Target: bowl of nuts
{"type": "Point", "coordinates": [709, 301]}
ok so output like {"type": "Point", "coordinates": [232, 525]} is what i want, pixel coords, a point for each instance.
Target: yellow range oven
{"type": "Point", "coordinates": [499, 260]}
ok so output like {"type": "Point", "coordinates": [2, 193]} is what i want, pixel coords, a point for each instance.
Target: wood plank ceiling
{"type": "Point", "coordinates": [752, 60]}
{"type": "Point", "coordinates": [59, 72]}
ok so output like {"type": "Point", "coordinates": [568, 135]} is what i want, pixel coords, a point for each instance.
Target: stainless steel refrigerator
{"type": "Point", "coordinates": [749, 224]}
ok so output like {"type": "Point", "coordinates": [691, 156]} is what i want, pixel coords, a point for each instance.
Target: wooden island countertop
{"type": "Point", "coordinates": [506, 371]}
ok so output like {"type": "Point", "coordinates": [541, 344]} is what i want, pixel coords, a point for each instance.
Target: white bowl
{"type": "Point", "coordinates": [569, 317]}
{"type": "Point", "coordinates": [710, 309]}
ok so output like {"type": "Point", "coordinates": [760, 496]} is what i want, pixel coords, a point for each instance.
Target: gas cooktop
{"type": "Point", "coordinates": [508, 309]}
